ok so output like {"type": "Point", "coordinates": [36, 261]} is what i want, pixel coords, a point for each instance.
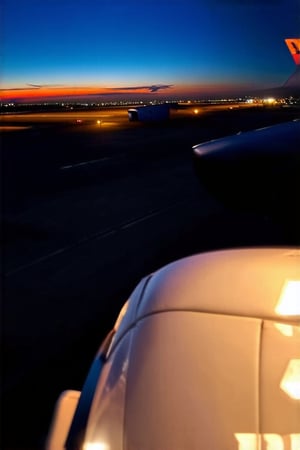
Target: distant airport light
{"type": "Point", "coordinates": [98, 122]}
{"type": "Point", "coordinates": [196, 111]}
{"type": "Point", "coordinates": [270, 100]}
{"type": "Point", "coordinates": [289, 301]}
{"type": "Point", "coordinates": [290, 382]}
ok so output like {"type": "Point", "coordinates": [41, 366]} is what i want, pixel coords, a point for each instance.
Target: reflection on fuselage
{"type": "Point", "coordinates": [267, 441]}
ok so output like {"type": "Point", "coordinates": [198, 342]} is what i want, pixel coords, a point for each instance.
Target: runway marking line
{"type": "Point", "coordinates": [84, 163]}
{"type": "Point", "coordinates": [97, 235]}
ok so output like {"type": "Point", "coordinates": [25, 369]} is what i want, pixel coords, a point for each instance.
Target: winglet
{"type": "Point", "coordinates": [294, 48]}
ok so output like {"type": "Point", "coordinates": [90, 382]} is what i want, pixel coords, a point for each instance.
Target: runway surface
{"type": "Point", "coordinates": [91, 203]}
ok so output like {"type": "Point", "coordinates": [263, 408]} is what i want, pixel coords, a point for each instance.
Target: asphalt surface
{"type": "Point", "coordinates": [88, 209]}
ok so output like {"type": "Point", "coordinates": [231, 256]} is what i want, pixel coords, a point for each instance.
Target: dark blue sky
{"type": "Point", "coordinates": [197, 46]}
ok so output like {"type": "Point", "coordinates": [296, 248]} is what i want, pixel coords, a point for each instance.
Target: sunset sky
{"type": "Point", "coordinates": [109, 49]}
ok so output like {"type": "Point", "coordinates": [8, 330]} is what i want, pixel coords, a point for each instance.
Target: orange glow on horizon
{"type": "Point", "coordinates": [61, 93]}
{"type": "Point", "coordinates": [44, 93]}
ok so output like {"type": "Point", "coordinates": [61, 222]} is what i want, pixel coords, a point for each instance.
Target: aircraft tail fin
{"type": "Point", "coordinates": [294, 48]}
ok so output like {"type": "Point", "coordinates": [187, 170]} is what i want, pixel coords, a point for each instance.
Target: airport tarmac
{"type": "Point", "coordinates": [88, 209]}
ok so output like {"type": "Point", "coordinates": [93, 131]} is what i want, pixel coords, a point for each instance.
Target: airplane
{"type": "Point", "coordinates": [255, 171]}
{"type": "Point", "coordinates": [205, 352]}
{"type": "Point", "coordinates": [204, 355]}
{"type": "Point", "coordinates": [291, 87]}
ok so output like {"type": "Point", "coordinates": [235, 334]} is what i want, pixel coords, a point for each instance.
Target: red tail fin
{"type": "Point", "coordinates": [294, 48]}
